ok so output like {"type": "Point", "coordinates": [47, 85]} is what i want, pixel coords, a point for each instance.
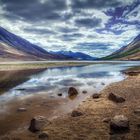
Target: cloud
{"type": "Point", "coordinates": [34, 10]}
{"type": "Point", "coordinates": [99, 4]}
{"type": "Point", "coordinates": [95, 27]}
{"type": "Point", "coordinates": [88, 22]}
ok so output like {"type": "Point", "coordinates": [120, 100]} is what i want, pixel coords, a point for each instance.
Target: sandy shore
{"type": "Point", "coordinates": [90, 125]}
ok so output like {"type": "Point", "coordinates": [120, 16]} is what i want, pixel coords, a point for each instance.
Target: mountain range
{"type": "Point", "coordinates": [74, 55]}
{"type": "Point", "coordinates": [128, 52]}
{"type": "Point", "coordinates": [13, 47]}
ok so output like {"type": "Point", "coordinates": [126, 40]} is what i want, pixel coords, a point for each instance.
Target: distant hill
{"type": "Point", "coordinates": [74, 55]}
{"type": "Point", "coordinates": [129, 52]}
{"type": "Point", "coordinates": [13, 47]}
{"type": "Point", "coordinates": [17, 48]}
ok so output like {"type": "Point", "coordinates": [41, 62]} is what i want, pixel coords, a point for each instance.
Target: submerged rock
{"type": "Point", "coordinates": [119, 123]}
{"type": "Point", "coordinates": [72, 91]}
{"type": "Point", "coordinates": [43, 136]}
{"type": "Point", "coordinates": [38, 123]}
{"type": "Point", "coordinates": [95, 96]}
{"type": "Point", "coordinates": [76, 113]}
{"type": "Point", "coordinates": [115, 98]}
{"type": "Point", "coordinates": [103, 83]}
{"type": "Point", "coordinates": [84, 91]}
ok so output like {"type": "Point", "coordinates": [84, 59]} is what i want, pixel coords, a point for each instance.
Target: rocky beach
{"type": "Point", "coordinates": [112, 114]}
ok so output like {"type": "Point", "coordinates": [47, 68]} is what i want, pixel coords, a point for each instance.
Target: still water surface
{"type": "Point", "coordinates": [52, 81]}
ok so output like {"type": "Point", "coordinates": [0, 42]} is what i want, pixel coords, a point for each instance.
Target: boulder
{"type": "Point", "coordinates": [76, 113]}
{"type": "Point", "coordinates": [119, 123]}
{"type": "Point", "coordinates": [72, 91]}
{"type": "Point", "coordinates": [43, 136]}
{"type": "Point", "coordinates": [38, 123]}
{"type": "Point", "coordinates": [116, 98]}
{"type": "Point", "coordinates": [95, 96]}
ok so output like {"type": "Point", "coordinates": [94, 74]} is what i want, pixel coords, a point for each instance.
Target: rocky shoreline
{"type": "Point", "coordinates": [114, 114]}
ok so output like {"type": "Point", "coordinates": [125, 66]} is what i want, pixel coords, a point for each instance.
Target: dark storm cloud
{"type": "Point", "coordinates": [39, 31]}
{"type": "Point", "coordinates": [80, 4]}
{"type": "Point", "coordinates": [71, 37]}
{"type": "Point", "coordinates": [88, 22]}
{"type": "Point", "coordinates": [67, 30]}
{"type": "Point", "coordinates": [34, 10]}
{"type": "Point", "coordinates": [90, 46]}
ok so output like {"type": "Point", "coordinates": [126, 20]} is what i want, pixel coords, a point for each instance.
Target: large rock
{"type": "Point", "coordinates": [72, 91]}
{"type": "Point", "coordinates": [115, 98]}
{"type": "Point", "coordinates": [119, 123]}
{"type": "Point", "coordinates": [76, 113]}
{"type": "Point", "coordinates": [38, 123]}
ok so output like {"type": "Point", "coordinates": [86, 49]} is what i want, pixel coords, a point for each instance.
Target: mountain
{"type": "Point", "coordinates": [74, 55]}
{"type": "Point", "coordinates": [128, 52]}
{"type": "Point", "coordinates": [17, 48]}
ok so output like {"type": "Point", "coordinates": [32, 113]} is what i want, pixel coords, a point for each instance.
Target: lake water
{"type": "Point", "coordinates": [52, 81]}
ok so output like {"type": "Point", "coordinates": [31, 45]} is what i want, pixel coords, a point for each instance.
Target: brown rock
{"type": "Point", "coordinates": [59, 94]}
{"type": "Point", "coordinates": [119, 123]}
{"type": "Point", "coordinates": [38, 123]}
{"type": "Point", "coordinates": [72, 91]}
{"type": "Point", "coordinates": [137, 111]}
{"type": "Point", "coordinates": [43, 136]}
{"type": "Point", "coordinates": [106, 120]}
{"type": "Point", "coordinates": [132, 73]}
{"type": "Point", "coordinates": [95, 96]}
{"type": "Point", "coordinates": [76, 113]}
{"type": "Point", "coordinates": [115, 98]}
{"type": "Point", "coordinates": [22, 109]}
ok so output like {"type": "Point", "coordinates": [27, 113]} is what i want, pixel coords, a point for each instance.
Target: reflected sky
{"type": "Point", "coordinates": [57, 80]}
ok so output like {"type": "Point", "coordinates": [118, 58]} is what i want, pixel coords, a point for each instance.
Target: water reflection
{"type": "Point", "coordinates": [10, 79]}
{"type": "Point", "coordinates": [57, 80]}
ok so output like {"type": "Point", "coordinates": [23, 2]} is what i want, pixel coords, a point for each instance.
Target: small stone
{"type": "Point", "coordinates": [76, 113]}
{"type": "Point", "coordinates": [106, 120]}
{"type": "Point", "coordinates": [84, 91]}
{"type": "Point", "coordinates": [119, 123]}
{"type": "Point", "coordinates": [21, 89]}
{"type": "Point", "coordinates": [38, 123]}
{"type": "Point", "coordinates": [115, 98]}
{"type": "Point", "coordinates": [103, 83]}
{"type": "Point", "coordinates": [137, 111]}
{"type": "Point", "coordinates": [43, 136]}
{"type": "Point", "coordinates": [22, 109]}
{"type": "Point", "coordinates": [72, 91]}
{"type": "Point", "coordinates": [59, 94]}
{"type": "Point", "coordinates": [95, 96]}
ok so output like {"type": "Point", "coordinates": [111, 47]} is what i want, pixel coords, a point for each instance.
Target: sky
{"type": "Point", "coordinates": [94, 27]}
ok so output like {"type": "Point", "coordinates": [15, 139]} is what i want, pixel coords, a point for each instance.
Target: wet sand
{"type": "Point", "coordinates": [90, 125]}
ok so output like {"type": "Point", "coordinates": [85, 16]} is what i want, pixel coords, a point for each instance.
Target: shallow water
{"type": "Point", "coordinates": [50, 82]}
